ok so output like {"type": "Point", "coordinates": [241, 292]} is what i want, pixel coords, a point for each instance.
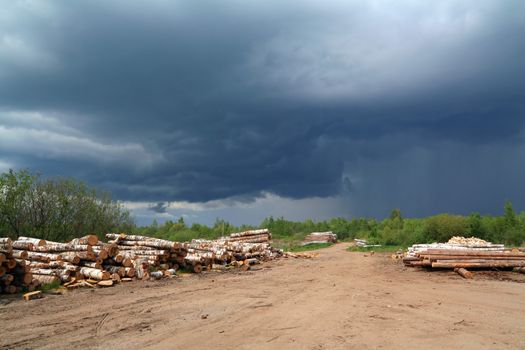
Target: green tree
{"type": "Point", "coordinates": [509, 215]}
{"type": "Point", "coordinates": [442, 227]}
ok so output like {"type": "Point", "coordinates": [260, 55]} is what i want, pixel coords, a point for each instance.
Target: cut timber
{"type": "Point", "coordinates": [93, 264]}
{"type": "Point", "coordinates": [95, 273]}
{"type": "Point", "coordinates": [471, 252]}
{"type": "Point", "coordinates": [486, 264]}
{"type": "Point", "coordinates": [121, 271]}
{"type": "Point", "coordinates": [152, 242]}
{"type": "Point", "coordinates": [2, 258]}
{"type": "Point", "coordinates": [89, 239]}
{"type": "Point", "coordinates": [464, 273]}
{"type": "Point", "coordinates": [10, 263]}
{"type": "Point", "coordinates": [71, 257]}
{"type": "Point", "coordinates": [7, 279]}
{"type": "Point", "coordinates": [197, 268]}
{"type": "Point", "coordinates": [107, 283]}
{"type": "Point", "coordinates": [471, 257]}
{"type": "Point", "coordinates": [5, 240]}
{"type": "Point", "coordinates": [130, 271]}
{"type": "Point", "coordinates": [63, 247]}
{"type": "Point", "coordinates": [117, 258]}
{"type": "Point", "coordinates": [33, 295]}
{"type": "Point", "coordinates": [25, 245]}
{"type": "Point", "coordinates": [44, 257]}
{"type": "Point", "coordinates": [36, 241]}
{"type": "Point", "coordinates": [44, 279]}
{"type": "Point", "coordinates": [19, 254]}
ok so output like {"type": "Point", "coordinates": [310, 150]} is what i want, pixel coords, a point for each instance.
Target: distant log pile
{"type": "Point", "coordinates": [461, 253]}
{"type": "Point", "coordinates": [252, 236]}
{"type": "Point", "coordinates": [320, 237]}
{"type": "Point", "coordinates": [237, 250]}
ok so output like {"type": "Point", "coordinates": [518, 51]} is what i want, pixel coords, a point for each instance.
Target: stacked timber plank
{"type": "Point", "coordinates": [462, 253]}
{"type": "Point", "coordinates": [320, 237]}
{"type": "Point", "coordinates": [148, 253]}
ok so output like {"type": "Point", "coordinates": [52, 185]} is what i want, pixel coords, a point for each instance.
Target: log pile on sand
{"type": "Point", "coordinates": [148, 253]}
{"type": "Point", "coordinates": [320, 237]}
{"type": "Point", "coordinates": [27, 263]}
{"type": "Point", "coordinates": [237, 250]}
{"type": "Point", "coordinates": [461, 253]}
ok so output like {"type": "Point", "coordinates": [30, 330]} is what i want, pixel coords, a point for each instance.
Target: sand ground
{"type": "Point", "coordinates": [340, 300]}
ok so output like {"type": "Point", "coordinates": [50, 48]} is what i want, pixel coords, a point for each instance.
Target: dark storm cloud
{"type": "Point", "coordinates": [168, 101]}
{"type": "Point", "coordinates": [160, 207]}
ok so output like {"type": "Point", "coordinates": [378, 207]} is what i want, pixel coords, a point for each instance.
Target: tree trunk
{"type": "Point", "coordinates": [464, 273]}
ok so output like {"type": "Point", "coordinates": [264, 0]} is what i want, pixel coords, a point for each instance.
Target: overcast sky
{"type": "Point", "coordinates": [245, 109]}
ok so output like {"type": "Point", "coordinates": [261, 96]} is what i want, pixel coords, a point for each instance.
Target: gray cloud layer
{"type": "Point", "coordinates": [414, 104]}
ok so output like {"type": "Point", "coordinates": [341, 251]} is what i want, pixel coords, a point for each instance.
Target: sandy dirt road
{"type": "Point", "coordinates": [339, 300]}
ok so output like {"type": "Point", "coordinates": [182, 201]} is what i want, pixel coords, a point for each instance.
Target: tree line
{"type": "Point", "coordinates": [508, 228]}
{"type": "Point", "coordinates": [60, 209]}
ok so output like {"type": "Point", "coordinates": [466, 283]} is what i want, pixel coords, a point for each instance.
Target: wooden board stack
{"type": "Point", "coordinates": [320, 237]}
{"type": "Point", "coordinates": [464, 253]}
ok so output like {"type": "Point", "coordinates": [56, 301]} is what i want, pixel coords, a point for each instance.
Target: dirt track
{"type": "Point", "coordinates": [340, 300]}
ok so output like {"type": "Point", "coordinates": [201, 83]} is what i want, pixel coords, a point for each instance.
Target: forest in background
{"type": "Point", "coordinates": [59, 209]}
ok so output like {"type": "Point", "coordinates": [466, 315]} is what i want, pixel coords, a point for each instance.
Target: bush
{"type": "Point", "coordinates": [441, 228]}
{"type": "Point", "coordinates": [56, 209]}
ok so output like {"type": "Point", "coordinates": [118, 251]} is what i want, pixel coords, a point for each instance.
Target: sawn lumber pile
{"type": "Point", "coordinates": [461, 254]}
{"type": "Point", "coordinates": [320, 237]}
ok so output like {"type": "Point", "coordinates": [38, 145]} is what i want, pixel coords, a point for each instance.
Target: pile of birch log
{"type": "Point", "coordinates": [150, 257]}
{"type": "Point", "coordinates": [82, 261]}
{"type": "Point", "coordinates": [461, 254]}
{"type": "Point", "coordinates": [241, 249]}
{"type": "Point", "coordinates": [320, 237]}
{"type": "Point", "coordinates": [27, 263]}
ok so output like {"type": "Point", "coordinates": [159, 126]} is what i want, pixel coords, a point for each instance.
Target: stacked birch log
{"type": "Point", "coordinates": [320, 237]}
{"type": "Point", "coordinates": [241, 249]}
{"type": "Point", "coordinates": [251, 236]}
{"type": "Point", "coordinates": [27, 263]}
{"type": "Point", "coordinates": [83, 261]}
{"type": "Point", "coordinates": [14, 274]}
{"type": "Point", "coordinates": [464, 253]}
{"type": "Point", "coordinates": [150, 257]}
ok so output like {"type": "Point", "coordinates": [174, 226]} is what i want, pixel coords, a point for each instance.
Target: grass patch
{"type": "Point", "coordinates": [50, 286]}
{"type": "Point", "coordinates": [385, 248]}
{"type": "Point", "coordinates": [314, 246]}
